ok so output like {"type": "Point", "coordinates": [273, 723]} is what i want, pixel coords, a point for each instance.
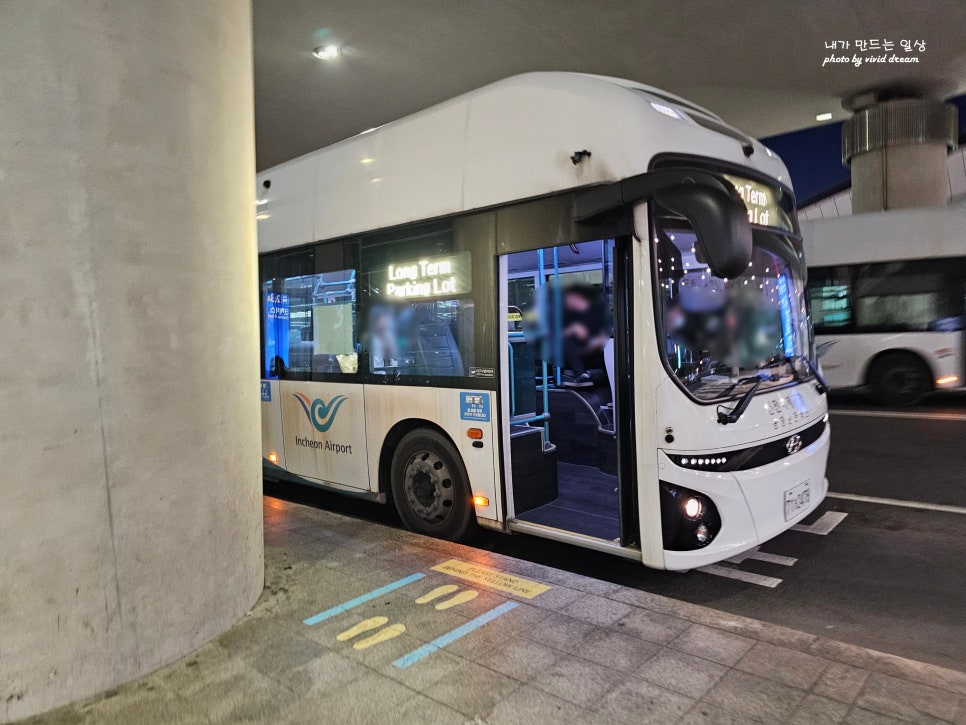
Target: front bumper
{"type": "Point", "coordinates": [751, 502]}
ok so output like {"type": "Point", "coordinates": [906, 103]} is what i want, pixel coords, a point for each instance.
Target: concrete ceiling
{"type": "Point", "coordinates": [757, 63]}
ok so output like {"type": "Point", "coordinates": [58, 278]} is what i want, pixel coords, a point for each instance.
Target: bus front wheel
{"type": "Point", "coordinates": [899, 379]}
{"type": "Point", "coordinates": [430, 486]}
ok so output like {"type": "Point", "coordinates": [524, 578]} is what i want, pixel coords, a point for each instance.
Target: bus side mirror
{"type": "Point", "coordinates": [720, 223]}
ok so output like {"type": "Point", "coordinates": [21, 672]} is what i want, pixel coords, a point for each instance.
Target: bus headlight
{"type": "Point", "coordinates": [693, 507]}
{"type": "Point", "coordinates": [689, 519]}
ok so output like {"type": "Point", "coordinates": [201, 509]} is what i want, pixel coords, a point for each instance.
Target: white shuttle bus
{"type": "Point", "coordinates": [565, 305]}
{"type": "Point", "coordinates": [888, 300]}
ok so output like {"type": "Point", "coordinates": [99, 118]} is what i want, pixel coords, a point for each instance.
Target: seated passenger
{"type": "Point", "coordinates": [383, 339]}
{"type": "Point", "coordinates": [586, 331]}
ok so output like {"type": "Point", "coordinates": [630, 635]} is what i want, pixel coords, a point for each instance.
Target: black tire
{"type": "Point", "coordinates": [899, 379]}
{"type": "Point", "coordinates": [430, 487]}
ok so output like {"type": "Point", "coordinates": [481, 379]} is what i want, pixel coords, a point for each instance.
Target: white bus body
{"type": "Point", "coordinates": [886, 290]}
{"type": "Point", "coordinates": [498, 170]}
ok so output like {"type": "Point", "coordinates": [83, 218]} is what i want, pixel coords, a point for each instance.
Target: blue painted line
{"type": "Point", "coordinates": [453, 635]}
{"type": "Point", "coordinates": [322, 616]}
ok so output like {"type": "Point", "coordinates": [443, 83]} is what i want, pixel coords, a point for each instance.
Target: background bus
{"type": "Point", "coordinates": [423, 286]}
{"type": "Point", "coordinates": [888, 299]}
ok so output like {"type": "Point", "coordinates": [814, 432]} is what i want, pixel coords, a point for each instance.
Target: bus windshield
{"type": "Point", "coordinates": [720, 336]}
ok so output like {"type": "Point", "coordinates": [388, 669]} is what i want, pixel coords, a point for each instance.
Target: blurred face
{"type": "Point", "coordinates": [674, 319]}
{"type": "Point", "coordinates": [382, 324]}
{"type": "Point", "coordinates": [575, 302]}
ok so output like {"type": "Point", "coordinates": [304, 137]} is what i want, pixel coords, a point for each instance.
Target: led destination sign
{"type": "Point", "coordinates": [762, 202]}
{"type": "Point", "coordinates": [446, 276]}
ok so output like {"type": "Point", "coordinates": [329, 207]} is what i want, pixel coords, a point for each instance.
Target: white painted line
{"type": "Point", "coordinates": [895, 414]}
{"type": "Point", "coordinates": [759, 555]}
{"type": "Point", "coordinates": [899, 502]}
{"type": "Point", "coordinates": [745, 576]}
{"type": "Point", "coordinates": [739, 558]}
{"type": "Point", "coordinates": [824, 526]}
{"type": "Point", "coordinates": [774, 558]}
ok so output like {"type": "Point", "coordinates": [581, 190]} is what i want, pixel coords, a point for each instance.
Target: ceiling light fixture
{"type": "Point", "coordinates": [327, 52]}
{"type": "Point", "coordinates": [823, 117]}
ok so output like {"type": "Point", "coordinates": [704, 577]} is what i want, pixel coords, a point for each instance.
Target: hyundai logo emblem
{"type": "Point", "coordinates": [793, 444]}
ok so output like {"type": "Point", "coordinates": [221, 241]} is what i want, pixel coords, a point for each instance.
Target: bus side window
{"type": "Point", "coordinates": [432, 339]}
{"type": "Point", "coordinates": [280, 277]}
{"type": "Point", "coordinates": [437, 352]}
{"type": "Point", "coordinates": [309, 325]}
{"type": "Point", "coordinates": [334, 323]}
{"type": "Point", "coordinates": [418, 316]}
{"type": "Point", "coordinates": [830, 296]}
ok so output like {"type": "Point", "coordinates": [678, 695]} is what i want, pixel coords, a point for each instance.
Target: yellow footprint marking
{"type": "Point", "coordinates": [460, 598]}
{"type": "Point", "coordinates": [364, 626]}
{"type": "Point", "coordinates": [437, 593]}
{"type": "Point", "coordinates": [393, 630]}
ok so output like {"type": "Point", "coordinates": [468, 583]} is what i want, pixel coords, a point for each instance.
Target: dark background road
{"type": "Point", "coordinates": [887, 577]}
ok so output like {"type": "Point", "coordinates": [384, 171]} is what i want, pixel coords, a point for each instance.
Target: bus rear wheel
{"type": "Point", "coordinates": [899, 379]}
{"type": "Point", "coordinates": [430, 486]}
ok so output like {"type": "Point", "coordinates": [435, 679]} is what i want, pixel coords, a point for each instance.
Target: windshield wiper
{"type": "Point", "coordinates": [820, 383]}
{"type": "Point", "coordinates": [703, 369]}
{"type": "Point", "coordinates": [732, 416]}
{"type": "Point", "coordinates": [790, 360]}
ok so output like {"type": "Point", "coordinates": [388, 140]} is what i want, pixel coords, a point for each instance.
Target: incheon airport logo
{"type": "Point", "coordinates": [320, 413]}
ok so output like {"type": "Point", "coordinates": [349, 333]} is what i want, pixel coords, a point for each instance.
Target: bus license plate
{"type": "Point", "coordinates": [796, 499]}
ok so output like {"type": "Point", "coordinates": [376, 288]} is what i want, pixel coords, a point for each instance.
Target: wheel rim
{"type": "Point", "coordinates": [429, 487]}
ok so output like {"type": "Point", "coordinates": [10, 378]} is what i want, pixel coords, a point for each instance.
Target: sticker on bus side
{"type": "Point", "coordinates": [475, 406]}
{"type": "Point", "coordinates": [266, 392]}
{"type": "Point", "coordinates": [482, 372]}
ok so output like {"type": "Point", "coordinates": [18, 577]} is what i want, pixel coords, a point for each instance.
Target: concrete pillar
{"type": "Point", "coordinates": [897, 150]}
{"type": "Point", "coordinates": [130, 485]}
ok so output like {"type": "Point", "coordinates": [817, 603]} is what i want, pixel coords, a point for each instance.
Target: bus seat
{"type": "Point", "coordinates": [578, 428]}
{"type": "Point", "coordinates": [573, 424]}
{"type": "Point", "coordinates": [437, 352]}
{"type": "Point", "coordinates": [609, 366]}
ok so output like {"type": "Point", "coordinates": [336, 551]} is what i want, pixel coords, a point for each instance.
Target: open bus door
{"type": "Point", "coordinates": [567, 426]}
